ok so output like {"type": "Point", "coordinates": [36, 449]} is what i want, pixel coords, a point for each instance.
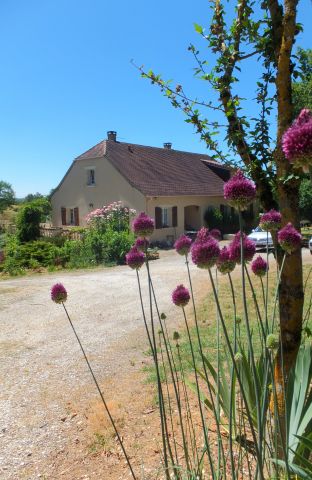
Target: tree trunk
{"type": "Point", "coordinates": [291, 285]}
{"type": "Point", "coordinates": [290, 301]}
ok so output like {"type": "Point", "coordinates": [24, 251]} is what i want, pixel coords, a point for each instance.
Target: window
{"type": "Point", "coordinates": [91, 176]}
{"type": "Point", "coordinates": [71, 217]}
{"type": "Point", "coordinates": [166, 217]}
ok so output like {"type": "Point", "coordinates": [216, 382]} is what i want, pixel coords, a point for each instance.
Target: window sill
{"type": "Point", "coordinates": [91, 184]}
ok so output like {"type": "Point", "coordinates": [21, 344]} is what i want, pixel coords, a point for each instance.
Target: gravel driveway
{"type": "Point", "coordinates": [41, 366]}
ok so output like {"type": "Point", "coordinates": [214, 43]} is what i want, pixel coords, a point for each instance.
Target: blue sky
{"type": "Point", "coordinates": [67, 78]}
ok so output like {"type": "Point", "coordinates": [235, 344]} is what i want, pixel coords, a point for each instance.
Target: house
{"type": "Point", "coordinates": [172, 186]}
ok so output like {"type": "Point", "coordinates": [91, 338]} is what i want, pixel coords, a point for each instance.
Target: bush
{"type": "Point", "coordinates": [97, 248]}
{"type": "Point", "coordinates": [30, 255]}
{"type": "Point", "coordinates": [225, 222]}
{"type": "Point", "coordinates": [305, 199]}
{"type": "Point", "coordinates": [79, 254]}
{"type": "Point", "coordinates": [117, 244]}
{"type": "Point", "coordinates": [29, 218]}
{"type": "Point", "coordinates": [58, 241]}
{"type": "Point", "coordinates": [28, 223]}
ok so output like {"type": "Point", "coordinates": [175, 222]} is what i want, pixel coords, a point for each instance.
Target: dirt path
{"type": "Point", "coordinates": [51, 423]}
{"type": "Point", "coordinates": [42, 369]}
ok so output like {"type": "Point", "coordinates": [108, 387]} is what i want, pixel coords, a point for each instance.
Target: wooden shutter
{"type": "Point", "coordinates": [174, 216]}
{"type": "Point", "coordinates": [63, 215]}
{"type": "Point", "coordinates": [76, 216]}
{"type": "Point", "coordinates": [158, 222]}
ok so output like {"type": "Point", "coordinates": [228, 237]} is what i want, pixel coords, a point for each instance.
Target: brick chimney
{"type": "Point", "coordinates": [168, 145]}
{"type": "Point", "coordinates": [111, 135]}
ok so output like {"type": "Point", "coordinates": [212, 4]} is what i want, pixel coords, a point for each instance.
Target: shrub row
{"type": "Point", "coordinates": [94, 249]}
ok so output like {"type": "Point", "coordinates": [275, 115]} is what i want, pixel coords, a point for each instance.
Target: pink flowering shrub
{"type": "Point", "coordinates": [115, 217]}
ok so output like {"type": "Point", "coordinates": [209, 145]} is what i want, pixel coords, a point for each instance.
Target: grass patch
{"type": "Point", "coordinates": [101, 442]}
{"type": "Point", "coordinates": [208, 325]}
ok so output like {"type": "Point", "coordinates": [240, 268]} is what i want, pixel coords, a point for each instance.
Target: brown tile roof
{"type": "Point", "coordinates": [160, 171]}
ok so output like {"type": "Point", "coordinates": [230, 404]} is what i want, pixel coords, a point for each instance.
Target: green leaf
{"type": "Point", "coordinates": [302, 474]}
{"type": "Point", "coordinates": [198, 28]}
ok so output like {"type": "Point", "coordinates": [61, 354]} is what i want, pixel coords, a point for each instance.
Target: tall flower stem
{"type": "Point", "coordinates": [101, 394]}
{"type": "Point", "coordinates": [188, 408]}
{"type": "Point", "coordinates": [202, 353]}
{"type": "Point", "coordinates": [144, 316]}
{"type": "Point", "coordinates": [168, 397]}
{"type": "Point", "coordinates": [229, 345]}
{"type": "Point", "coordinates": [173, 371]}
{"type": "Point", "coordinates": [252, 357]}
{"type": "Point", "coordinates": [277, 291]}
{"type": "Point", "coordinates": [199, 397]}
{"type": "Point", "coordinates": [254, 296]}
{"type": "Point", "coordinates": [159, 388]}
{"type": "Point", "coordinates": [232, 381]}
{"type": "Point", "coordinates": [266, 298]}
{"type": "Point", "coordinates": [218, 380]}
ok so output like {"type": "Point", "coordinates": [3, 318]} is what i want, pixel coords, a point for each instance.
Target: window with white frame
{"type": "Point", "coordinates": [166, 216]}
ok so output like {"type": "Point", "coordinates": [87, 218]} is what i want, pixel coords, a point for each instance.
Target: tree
{"type": "Point", "coordinates": [265, 31]}
{"type": "Point", "coordinates": [305, 199]}
{"type": "Point", "coordinates": [302, 89]}
{"type": "Point", "coordinates": [7, 195]}
{"type": "Point", "coordinates": [29, 218]}
{"type": "Point", "coordinates": [32, 196]}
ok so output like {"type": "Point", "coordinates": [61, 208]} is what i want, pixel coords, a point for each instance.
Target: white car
{"type": "Point", "coordinates": [261, 239]}
{"type": "Point", "coordinates": [310, 245]}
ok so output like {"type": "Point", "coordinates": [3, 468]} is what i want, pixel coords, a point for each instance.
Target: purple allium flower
{"type": "Point", "coordinates": [259, 266]}
{"type": "Point", "coordinates": [143, 225]}
{"type": "Point", "coordinates": [271, 221]}
{"type": "Point", "coordinates": [58, 293]}
{"type": "Point", "coordinates": [289, 238]}
{"type": "Point", "coordinates": [239, 191]}
{"type": "Point", "coordinates": [249, 248]}
{"type": "Point", "coordinates": [205, 253]}
{"type": "Point", "coordinates": [225, 263]}
{"type": "Point", "coordinates": [215, 233]}
{"type": "Point", "coordinates": [297, 140]}
{"type": "Point", "coordinates": [304, 116]}
{"type": "Point", "coordinates": [135, 258]}
{"type": "Point", "coordinates": [141, 244]}
{"type": "Point", "coordinates": [180, 296]}
{"type": "Point", "coordinates": [183, 245]}
{"type": "Point", "coordinates": [202, 235]}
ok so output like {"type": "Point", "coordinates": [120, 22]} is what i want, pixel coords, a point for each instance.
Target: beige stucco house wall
{"type": "Point", "coordinates": [109, 186]}
{"type": "Point", "coordinates": [190, 213]}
